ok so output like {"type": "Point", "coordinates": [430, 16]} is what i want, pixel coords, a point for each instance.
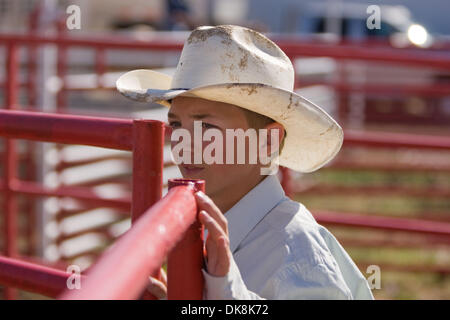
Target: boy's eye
{"type": "Point", "coordinates": [177, 124]}
{"type": "Point", "coordinates": [174, 124]}
{"type": "Point", "coordinates": [206, 125]}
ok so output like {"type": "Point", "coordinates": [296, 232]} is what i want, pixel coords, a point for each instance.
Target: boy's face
{"type": "Point", "coordinates": [221, 116]}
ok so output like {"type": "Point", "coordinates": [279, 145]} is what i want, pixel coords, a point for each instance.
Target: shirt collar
{"type": "Point", "coordinates": [252, 208]}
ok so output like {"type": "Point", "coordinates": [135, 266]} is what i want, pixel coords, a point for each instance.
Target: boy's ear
{"type": "Point", "coordinates": [274, 144]}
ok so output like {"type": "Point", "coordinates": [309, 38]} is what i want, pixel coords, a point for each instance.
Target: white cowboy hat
{"type": "Point", "coordinates": [242, 67]}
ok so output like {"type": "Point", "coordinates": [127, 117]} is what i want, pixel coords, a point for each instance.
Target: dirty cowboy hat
{"type": "Point", "coordinates": [242, 67]}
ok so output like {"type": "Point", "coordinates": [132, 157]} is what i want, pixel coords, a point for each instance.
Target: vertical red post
{"type": "Point", "coordinates": [61, 68]}
{"type": "Point", "coordinates": [148, 163]}
{"type": "Point", "coordinates": [342, 95]}
{"type": "Point", "coordinates": [30, 209]}
{"type": "Point", "coordinates": [10, 162]}
{"type": "Point", "coordinates": [100, 58]}
{"type": "Point", "coordinates": [185, 261]}
{"type": "Point", "coordinates": [32, 58]}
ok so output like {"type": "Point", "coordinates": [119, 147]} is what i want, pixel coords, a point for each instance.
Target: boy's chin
{"type": "Point", "coordinates": [192, 172]}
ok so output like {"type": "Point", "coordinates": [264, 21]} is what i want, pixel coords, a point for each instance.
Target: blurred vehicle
{"type": "Point", "coordinates": [368, 92]}
{"type": "Point", "coordinates": [350, 21]}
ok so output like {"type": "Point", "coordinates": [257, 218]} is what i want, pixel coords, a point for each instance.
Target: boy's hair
{"type": "Point", "coordinates": [258, 121]}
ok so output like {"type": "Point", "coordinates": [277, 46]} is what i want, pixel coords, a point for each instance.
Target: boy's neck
{"type": "Point", "coordinates": [227, 198]}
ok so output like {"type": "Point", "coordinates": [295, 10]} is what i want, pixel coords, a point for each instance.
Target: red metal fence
{"type": "Point", "coordinates": [123, 270]}
{"type": "Point", "coordinates": [138, 135]}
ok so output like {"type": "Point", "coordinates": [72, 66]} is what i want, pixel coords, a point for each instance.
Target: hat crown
{"type": "Point", "coordinates": [231, 54]}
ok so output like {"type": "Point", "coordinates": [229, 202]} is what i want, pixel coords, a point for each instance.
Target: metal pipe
{"type": "Point", "coordinates": [33, 277]}
{"type": "Point", "coordinates": [61, 67]}
{"type": "Point", "coordinates": [122, 271]}
{"type": "Point", "coordinates": [100, 67]}
{"type": "Point", "coordinates": [185, 261]}
{"type": "Point", "coordinates": [80, 193]}
{"type": "Point", "coordinates": [357, 52]}
{"type": "Point", "coordinates": [10, 163]}
{"type": "Point", "coordinates": [148, 163]}
{"type": "Point", "coordinates": [322, 189]}
{"type": "Point", "coordinates": [385, 223]}
{"type": "Point", "coordinates": [71, 129]}
{"type": "Point", "coordinates": [395, 140]}
{"type": "Point", "coordinates": [341, 51]}
{"type": "Point", "coordinates": [341, 85]}
{"type": "Point", "coordinates": [116, 133]}
{"type": "Point", "coordinates": [94, 42]}
{"type": "Point", "coordinates": [340, 164]}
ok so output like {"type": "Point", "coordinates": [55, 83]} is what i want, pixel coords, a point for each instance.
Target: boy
{"type": "Point", "coordinates": [260, 244]}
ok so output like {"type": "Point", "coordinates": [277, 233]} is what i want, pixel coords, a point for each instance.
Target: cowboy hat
{"type": "Point", "coordinates": [242, 67]}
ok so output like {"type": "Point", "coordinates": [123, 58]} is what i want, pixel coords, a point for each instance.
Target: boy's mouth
{"type": "Point", "coordinates": [190, 169]}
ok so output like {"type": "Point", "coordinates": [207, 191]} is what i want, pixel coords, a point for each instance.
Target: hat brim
{"type": "Point", "coordinates": [313, 137]}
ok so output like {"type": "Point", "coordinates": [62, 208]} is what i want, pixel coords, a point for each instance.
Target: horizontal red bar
{"type": "Point", "coordinates": [122, 271]}
{"type": "Point", "coordinates": [80, 193]}
{"type": "Point", "coordinates": [400, 89]}
{"type": "Point", "coordinates": [116, 133]}
{"type": "Point", "coordinates": [395, 140]}
{"type": "Point", "coordinates": [105, 42]}
{"type": "Point", "coordinates": [423, 58]}
{"type": "Point", "coordinates": [70, 129]}
{"type": "Point", "coordinates": [428, 241]}
{"type": "Point", "coordinates": [386, 223]}
{"type": "Point", "coordinates": [33, 277]}
{"type": "Point", "coordinates": [339, 164]}
{"type": "Point", "coordinates": [375, 190]}
{"type": "Point", "coordinates": [417, 268]}
{"type": "Point", "coordinates": [291, 47]}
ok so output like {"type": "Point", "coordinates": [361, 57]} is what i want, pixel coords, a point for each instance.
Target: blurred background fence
{"type": "Point", "coordinates": [386, 196]}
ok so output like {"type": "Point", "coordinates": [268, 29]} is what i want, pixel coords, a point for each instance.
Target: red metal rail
{"type": "Point", "coordinates": [33, 277]}
{"type": "Point", "coordinates": [85, 195]}
{"type": "Point", "coordinates": [132, 259]}
{"type": "Point", "coordinates": [62, 128]}
{"type": "Point", "coordinates": [384, 223]}
{"type": "Point", "coordinates": [409, 57]}
{"type": "Point", "coordinates": [138, 136]}
{"type": "Point", "coordinates": [122, 272]}
{"type": "Point", "coordinates": [144, 177]}
{"type": "Point", "coordinates": [190, 249]}
{"type": "Point", "coordinates": [383, 190]}
{"type": "Point", "coordinates": [10, 162]}
{"type": "Point", "coordinates": [116, 133]}
{"type": "Point", "coordinates": [395, 140]}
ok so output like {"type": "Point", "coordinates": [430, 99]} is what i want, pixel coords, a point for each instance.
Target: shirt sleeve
{"type": "Point", "coordinates": [292, 282]}
{"type": "Point", "coordinates": [305, 282]}
{"type": "Point", "coordinates": [355, 280]}
{"type": "Point", "coordinates": [229, 287]}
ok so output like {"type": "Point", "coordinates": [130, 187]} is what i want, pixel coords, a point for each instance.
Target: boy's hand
{"type": "Point", "coordinates": [218, 253]}
{"type": "Point", "coordinates": [158, 287]}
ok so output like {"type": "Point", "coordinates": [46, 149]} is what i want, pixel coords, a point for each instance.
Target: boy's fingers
{"type": "Point", "coordinates": [218, 257]}
{"type": "Point", "coordinates": [224, 257]}
{"type": "Point", "coordinates": [214, 229]}
{"type": "Point", "coordinates": [157, 288]}
{"type": "Point", "coordinates": [205, 203]}
{"type": "Point", "coordinates": [211, 257]}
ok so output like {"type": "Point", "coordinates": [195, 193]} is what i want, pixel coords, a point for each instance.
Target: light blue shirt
{"type": "Point", "coordinates": [281, 252]}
